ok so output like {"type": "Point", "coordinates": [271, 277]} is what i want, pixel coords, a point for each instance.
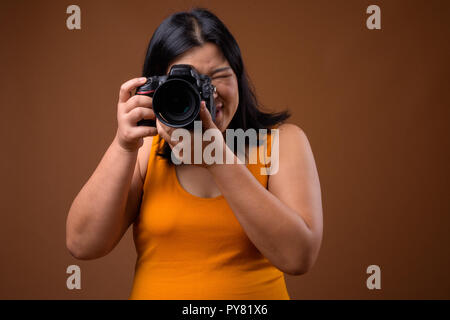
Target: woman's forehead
{"type": "Point", "coordinates": [205, 59]}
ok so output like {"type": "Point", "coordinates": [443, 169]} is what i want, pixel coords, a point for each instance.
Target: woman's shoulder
{"type": "Point", "coordinates": [292, 141]}
{"type": "Point", "coordinates": [290, 132]}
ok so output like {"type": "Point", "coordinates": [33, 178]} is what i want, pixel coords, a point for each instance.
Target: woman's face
{"type": "Point", "coordinates": [209, 60]}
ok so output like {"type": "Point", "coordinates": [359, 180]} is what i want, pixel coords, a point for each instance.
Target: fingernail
{"type": "Point", "coordinates": [143, 79]}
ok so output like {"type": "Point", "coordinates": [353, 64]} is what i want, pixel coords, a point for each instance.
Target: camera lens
{"type": "Point", "coordinates": [176, 102]}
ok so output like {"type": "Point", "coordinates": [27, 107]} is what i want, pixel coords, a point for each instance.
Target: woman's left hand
{"type": "Point", "coordinates": [184, 143]}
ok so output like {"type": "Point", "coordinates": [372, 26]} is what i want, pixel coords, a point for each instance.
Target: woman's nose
{"type": "Point", "coordinates": [215, 94]}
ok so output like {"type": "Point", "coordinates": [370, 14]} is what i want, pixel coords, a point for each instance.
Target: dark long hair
{"type": "Point", "coordinates": [184, 30]}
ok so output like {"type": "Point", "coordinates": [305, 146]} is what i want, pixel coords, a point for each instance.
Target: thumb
{"type": "Point", "coordinates": [205, 116]}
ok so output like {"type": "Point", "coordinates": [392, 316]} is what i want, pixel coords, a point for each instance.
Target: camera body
{"type": "Point", "coordinates": [177, 96]}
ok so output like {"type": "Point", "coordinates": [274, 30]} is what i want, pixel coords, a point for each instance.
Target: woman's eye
{"type": "Point", "coordinates": [221, 76]}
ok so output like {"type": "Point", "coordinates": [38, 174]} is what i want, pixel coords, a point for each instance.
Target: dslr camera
{"type": "Point", "coordinates": [177, 96]}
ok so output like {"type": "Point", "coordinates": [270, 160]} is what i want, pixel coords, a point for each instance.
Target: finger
{"type": "Point", "coordinates": [139, 132]}
{"type": "Point", "coordinates": [127, 87]}
{"type": "Point", "coordinates": [138, 101]}
{"type": "Point", "coordinates": [167, 129]}
{"type": "Point", "coordinates": [167, 132]}
{"type": "Point", "coordinates": [147, 131]}
{"type": "Point", "coordinates": [140, 113]}
{"type": "Point", "coordinates": [206, 118]}
{"type": "Point", "coordinates": [162, 132]}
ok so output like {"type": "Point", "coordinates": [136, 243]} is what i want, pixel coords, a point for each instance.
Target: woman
{"type": "Point", "coordinates": [202, 231]}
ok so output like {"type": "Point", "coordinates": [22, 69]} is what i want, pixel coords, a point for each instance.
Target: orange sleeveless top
{"type": "Point", "coordinates": [194, 248]}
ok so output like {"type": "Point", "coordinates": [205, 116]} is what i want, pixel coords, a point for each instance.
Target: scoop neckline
{"type": "Point", "coordinates": [184, 191]}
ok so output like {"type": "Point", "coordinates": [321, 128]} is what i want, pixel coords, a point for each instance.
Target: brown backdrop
{"type": "Point", "coordinates": [374, 104]}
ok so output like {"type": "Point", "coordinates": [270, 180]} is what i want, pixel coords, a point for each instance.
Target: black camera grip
{"type": "Point", "coordinates": [147, 89]}
{"type": "Point", "coordinates": [147, 122]}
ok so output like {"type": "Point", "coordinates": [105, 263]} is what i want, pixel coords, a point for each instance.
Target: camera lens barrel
{"type": "Point", "coordinates": [176, 102]}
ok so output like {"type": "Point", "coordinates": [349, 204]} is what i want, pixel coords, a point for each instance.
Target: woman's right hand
{"type": "Point", "coordinates": [131, 109]}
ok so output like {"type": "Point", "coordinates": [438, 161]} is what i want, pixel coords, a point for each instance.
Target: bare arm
{"type": "Point", "coordinates": [97, 218]}
{"type": "Point", "coordinates": [284, 222]}
{"type": "Point", "coordinates": [109, 201]}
